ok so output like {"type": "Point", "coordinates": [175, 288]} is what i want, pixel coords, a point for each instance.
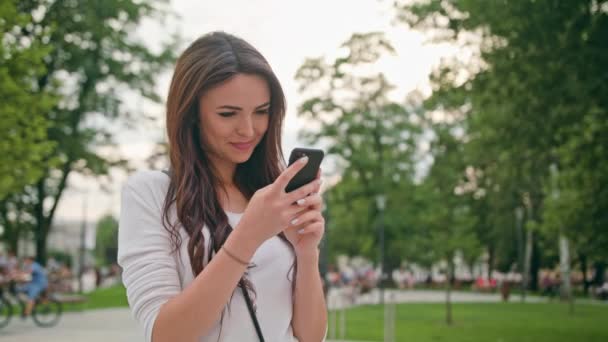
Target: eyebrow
{"type": "Point", "coordinates": [239, 108]}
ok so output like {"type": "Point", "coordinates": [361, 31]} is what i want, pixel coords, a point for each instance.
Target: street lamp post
{"type": "Point", "coordinates": [381, 205]}
{"type": "Point", "coordinates": [83, 236]}
{"type": "Point", "coordinates": [520, 256]}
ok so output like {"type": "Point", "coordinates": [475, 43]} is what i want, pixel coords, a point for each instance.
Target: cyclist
{"type": "Point", "coordinates": [38, 282]}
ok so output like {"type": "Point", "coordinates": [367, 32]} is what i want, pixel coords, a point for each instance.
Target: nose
{"type": "Point", "coordinates": [245, 127]}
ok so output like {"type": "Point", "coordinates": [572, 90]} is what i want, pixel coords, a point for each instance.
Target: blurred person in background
{"type": "Point", "coordinates": [333, 276]}
{"type": "Point", "coordinates": [3, 268]}
{"type": "Point", "coordinates": [35, 281]}
{"type": "Point", "coordinates": [3, 259]}
{"type": "Point", "coordinates": [400, 277]}
{"type": "Point", "coordinates": [602, 292]}
{"type": "Point", "coordinates": [12, 262]}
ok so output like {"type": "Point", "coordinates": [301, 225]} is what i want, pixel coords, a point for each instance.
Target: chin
{"type": "Point", "coordinates": [242, 158]}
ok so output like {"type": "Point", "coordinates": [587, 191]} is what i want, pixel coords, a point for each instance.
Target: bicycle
{"type": "Point", "coordinates": [45, 313]}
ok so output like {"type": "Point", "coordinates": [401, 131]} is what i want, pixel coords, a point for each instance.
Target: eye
{"type": "Point", "coordinates": [262, 111]}
{"type": "Point", "coordinates": [226, 114]}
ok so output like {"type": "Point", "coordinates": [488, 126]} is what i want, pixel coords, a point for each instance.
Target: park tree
{"type": "Point", "coordinates": [446, 220]}
{"type": "Point", "coordinates": [370, 138]}
{"type": "Point", "coordinates": [106, 240]}
{"type": "Point", "coordinates": [23, 123]}
{"type": "Point", "coordinates": [96, 56]}
{"type": "Point", "coordinates": [535, 98]}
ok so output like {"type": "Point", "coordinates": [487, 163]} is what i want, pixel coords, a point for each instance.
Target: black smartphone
{"type": "Point", "coordinates": [309, 172]}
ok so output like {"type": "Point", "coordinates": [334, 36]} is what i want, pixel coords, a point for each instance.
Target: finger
{"type": "Point", "coordinates": [310, 200]}
{"type": "Point", "coordinates": [310, 203]}
{"type": "Point", "coordinates": [308, 216]}
{"type": "Point", "coordinates": [317, 227]}
{"type": "Point", "coordinates": [304, 228]}
{"type": "Point", "coordinates": [304, 191]}
{"type": "Point", "coordinates": [318, 188]}
{"type": "Point", "coordinates": [290, 172]}
{"type": "Point", "coordinates": [316, 206]}
{"type": "Point", "coordinates": [296, 211]}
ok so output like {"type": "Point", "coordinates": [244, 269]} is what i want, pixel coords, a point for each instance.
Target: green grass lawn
{"type": "Point", "coordinates": [115, 296]}
{"type": "Point", "coordinates": [496, 322]}
{"type": "Point", "coordinates": [110, 297]}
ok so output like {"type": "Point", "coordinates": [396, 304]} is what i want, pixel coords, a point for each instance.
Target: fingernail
{"type": "Point", "coordinates": [301, 231]}
{"type": "Point", "coordinates": [304, 159]}
{"type": "Point", "coordinates": [294, 222]}
{"type": "Point", "coordinates": [301, 201]}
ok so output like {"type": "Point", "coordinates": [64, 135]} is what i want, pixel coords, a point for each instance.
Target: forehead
{"type": "Point", "coordinates": [243, 90]}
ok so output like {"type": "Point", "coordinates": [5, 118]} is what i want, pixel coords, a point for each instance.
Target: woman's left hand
{"type": "Point", "coordinates": [306, 233]}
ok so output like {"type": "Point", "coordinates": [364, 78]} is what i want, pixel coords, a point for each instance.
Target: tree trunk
{"type": "Point", "coordinates": [535, 264]}
{"type": "Point", "coordinates": [491, 258]}
{"type": "Point", "coordinates": [600, 269]}
{"type": "Point", "coordinates": [44, 221]}
{"type": "Point", "coordinates": [527, 262]}
{"type": "Point", "coordinates": [448, 299]}
{"type": "Point", "coordinates": [13, 242]}
{"type": "Point", "coordinates": [41, 252]}
{"type": "Point", "coordinates": [519, 223]}
{"type": "Point", "coordinates": [40, 230]}
{"type": "Point", "coordinates": [564, 263]}
{"type": "Point", "coordinates": [11, 237]}
{"type": "Point", "coordinates": [583, 260]}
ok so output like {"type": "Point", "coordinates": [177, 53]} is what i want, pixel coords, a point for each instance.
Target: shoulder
{"type": "Point", "coordinates": [148, 182]}
{"type": "Point", "coordinates": [150, 179]}
{"type": "Point", "coordinates": [147, 185]}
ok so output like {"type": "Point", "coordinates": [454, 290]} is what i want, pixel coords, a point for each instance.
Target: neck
{"type": "Point", "coordinates": [225, 171]}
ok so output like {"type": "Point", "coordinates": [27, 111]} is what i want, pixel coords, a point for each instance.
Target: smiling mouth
{"type": "Point", "coordinates": [243, 146]}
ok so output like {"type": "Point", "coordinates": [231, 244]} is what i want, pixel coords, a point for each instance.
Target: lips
{"type": "Point", "coordinates": [243, 146]}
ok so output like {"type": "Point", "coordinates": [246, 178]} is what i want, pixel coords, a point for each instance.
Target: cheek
{"type": "Point", "coordinates": [212, 136]}
{"type": "Point", "coordinates": [261, 124]}
{"type": "Point", "coordinates": [215, 129]}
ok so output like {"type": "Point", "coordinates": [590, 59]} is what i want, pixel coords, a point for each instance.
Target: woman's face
{"type": "Point", "coordinates": [234, 117]}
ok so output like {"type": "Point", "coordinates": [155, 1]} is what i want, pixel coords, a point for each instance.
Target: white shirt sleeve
{"type": "Point", "coordinates": [144, 252]}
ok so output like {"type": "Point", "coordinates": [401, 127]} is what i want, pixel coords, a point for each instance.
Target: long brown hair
{"type": "Point", "coordinates": [207, 62]}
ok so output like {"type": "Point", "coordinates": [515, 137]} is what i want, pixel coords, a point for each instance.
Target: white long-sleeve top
{"type": "Point", "coordinates": [152, 274]}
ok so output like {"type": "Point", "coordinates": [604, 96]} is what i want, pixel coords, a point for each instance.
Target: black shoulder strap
{"type": "Point", "coordinates": [254, 317]}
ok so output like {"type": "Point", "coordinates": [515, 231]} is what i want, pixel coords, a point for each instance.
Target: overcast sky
{"type": "Point", "coordinates": [286, 33]}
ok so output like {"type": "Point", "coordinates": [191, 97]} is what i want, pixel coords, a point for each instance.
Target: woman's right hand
{"type": "Point", "coordinates": [270, 209]}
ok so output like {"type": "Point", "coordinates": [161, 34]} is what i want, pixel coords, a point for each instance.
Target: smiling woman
{"type": "Point", "coordinates": [234, 117]}
{"type": "Point", "coordinates": [211, 251]}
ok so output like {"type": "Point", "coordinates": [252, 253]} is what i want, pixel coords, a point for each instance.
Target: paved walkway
{"type": "Point", "coordinates": [109, 325]}
{"type": "Point", "coordinates": [116, 325]}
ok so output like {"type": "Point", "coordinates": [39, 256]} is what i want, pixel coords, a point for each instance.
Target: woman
{"type": "Point", "coordinates": [219, 228]}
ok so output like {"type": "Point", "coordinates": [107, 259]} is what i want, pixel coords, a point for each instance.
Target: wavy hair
{"type": "Point", "coordinates": [193, 189]}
